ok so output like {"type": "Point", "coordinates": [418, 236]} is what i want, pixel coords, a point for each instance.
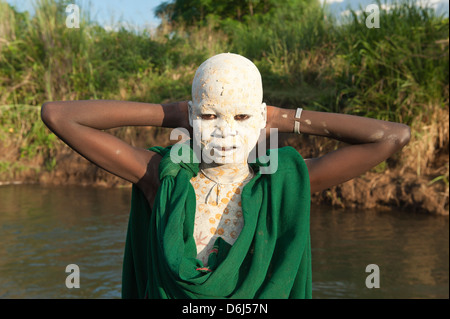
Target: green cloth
{"type": "Point", "coordinates": [270, 259]}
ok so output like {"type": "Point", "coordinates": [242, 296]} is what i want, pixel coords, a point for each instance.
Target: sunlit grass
{"type": "Point", "coordinates": [397, 72]}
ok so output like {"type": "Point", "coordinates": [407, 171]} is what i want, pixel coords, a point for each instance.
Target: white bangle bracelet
{"type": "Point", "coordinates": [298, 114]}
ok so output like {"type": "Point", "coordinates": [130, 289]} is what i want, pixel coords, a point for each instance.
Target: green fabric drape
{"type": "Point", "coordinates": [270, 259]}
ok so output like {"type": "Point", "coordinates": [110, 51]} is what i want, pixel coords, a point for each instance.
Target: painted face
{"type": "Point", "coordinates": [226, 110]}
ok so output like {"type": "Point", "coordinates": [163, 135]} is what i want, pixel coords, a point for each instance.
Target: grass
{"type": "Point", "coordinates": [397, 69]}
{"type": "Point", "coordinates": [24, 139]}
{"type": "Point", "coordinates": [386, 73]}
{"type": "Point", "coordinates": [398, 72]}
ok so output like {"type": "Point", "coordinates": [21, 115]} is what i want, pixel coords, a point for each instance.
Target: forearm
{"type": "Point", "coordinates": [80, 125]}
{"type": "Point", "coordinates": [346, 128]}
{"type": "Point", "coordinates": [373, 142]}
{"type": "Point", "coordinates": [107, 114]}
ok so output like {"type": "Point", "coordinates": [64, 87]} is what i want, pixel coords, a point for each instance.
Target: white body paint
{"type": "Point", "coordinates": [227, 114]}
{"type": "Point", "coordinates": [226, 86]}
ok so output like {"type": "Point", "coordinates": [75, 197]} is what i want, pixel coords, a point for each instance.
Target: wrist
{"type": "Point", "coordinates": [283, 119]}
{"type": "Point", "coordinates": [175, 115]}
{"type": "Point", "coordinates": [298, 115]}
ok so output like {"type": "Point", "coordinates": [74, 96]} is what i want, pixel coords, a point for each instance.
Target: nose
{"type": "Point", "coordinates": [225, 128]}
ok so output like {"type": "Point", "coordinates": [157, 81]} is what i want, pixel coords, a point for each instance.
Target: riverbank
{"type": "Point", "coordinates": [396, 182]}
{"type": "Point", "coordinates": [398, 73]}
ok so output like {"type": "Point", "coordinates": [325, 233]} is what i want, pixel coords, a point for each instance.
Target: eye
{"type": "Point", "coordinates": [208, 116]}
{"type": "Point", "coordinates": [242, 117]}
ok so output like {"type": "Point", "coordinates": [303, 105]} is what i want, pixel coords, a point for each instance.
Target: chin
{"type": "Point", "coordinates": [224, 160]}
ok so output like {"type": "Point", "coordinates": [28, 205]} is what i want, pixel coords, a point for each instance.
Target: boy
{"type": "Point", "coordinates": [212, 224]}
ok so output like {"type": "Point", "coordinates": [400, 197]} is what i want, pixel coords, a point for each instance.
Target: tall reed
{"type": "Point", "coordinates": [397, 72]}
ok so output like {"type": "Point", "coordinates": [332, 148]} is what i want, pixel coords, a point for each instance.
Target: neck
{"type": "Point", "coordinates": [226, 173]}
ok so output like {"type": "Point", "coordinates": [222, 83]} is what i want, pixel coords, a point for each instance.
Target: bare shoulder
{"type": "Point", "coordinates": [310, 162]}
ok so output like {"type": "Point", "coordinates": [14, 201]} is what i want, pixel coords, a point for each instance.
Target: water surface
{"type": "Point", "coordinates": [44, 229]}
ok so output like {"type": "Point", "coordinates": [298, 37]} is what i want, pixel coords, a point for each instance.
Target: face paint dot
{"type": "Point", "coordinates": [377, 135]}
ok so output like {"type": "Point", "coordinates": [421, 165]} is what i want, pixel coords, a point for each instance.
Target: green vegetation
{"type": "Point", "coordinates": [199, 11]}
{"type": "Point", "coordinates": [306, 59]}
{"type": "Point", "coordinates": [397, 72]}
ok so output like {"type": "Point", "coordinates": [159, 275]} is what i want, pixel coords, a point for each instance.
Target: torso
{"type": "Point", "coordinates": [218, 205]}
{"type": "Point", "coordinates": [219, 212]}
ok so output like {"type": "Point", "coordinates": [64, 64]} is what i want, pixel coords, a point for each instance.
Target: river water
{"type": "Point", "coordinates": [44, 229]}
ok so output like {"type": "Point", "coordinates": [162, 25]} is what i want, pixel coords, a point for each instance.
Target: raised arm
{"type": "Point", "coordinates": [372, 141]}
{"type": "Point", "coordinates": [80, 125]}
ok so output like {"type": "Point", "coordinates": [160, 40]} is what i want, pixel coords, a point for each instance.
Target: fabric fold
{"type": "Point", "coordinates": [271, 258]}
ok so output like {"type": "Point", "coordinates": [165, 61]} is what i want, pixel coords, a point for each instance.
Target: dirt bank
{"type": "Point", "coordinates": [391, 184]}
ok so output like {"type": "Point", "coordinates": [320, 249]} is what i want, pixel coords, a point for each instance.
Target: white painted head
{"type": "Point", "coordinates": [226, 111]}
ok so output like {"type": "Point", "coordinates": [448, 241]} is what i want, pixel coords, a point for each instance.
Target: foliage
{"type": "Point", "coordinates": [197, 11]}
{"type": "Point", "coordinates": [397, 72]}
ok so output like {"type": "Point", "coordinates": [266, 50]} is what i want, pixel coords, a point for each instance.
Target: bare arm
{"type": "Point", "coordinates": [80, 125]}
{"type": "Point", "coordinates": [372, 141]}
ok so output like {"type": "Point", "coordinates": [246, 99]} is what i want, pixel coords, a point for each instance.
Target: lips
{"type": "Point", "coordinates": [224, 149]}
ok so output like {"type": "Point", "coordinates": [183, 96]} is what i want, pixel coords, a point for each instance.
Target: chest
{"type": "Point", "coordinates": [218, 213]}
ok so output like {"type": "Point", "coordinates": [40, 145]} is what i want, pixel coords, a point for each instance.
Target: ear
{"type": "Point", "coordinates": [190, 113]}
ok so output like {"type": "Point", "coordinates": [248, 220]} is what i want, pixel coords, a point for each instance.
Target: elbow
{"type": "Point", "coordinates": [49, 114]}
{"type": "Point", "coordinates": [46, 112]}
{"type": "Point", "coordinates": [404, 136]}
{"type": "Point", "coordinates": [399, 138]}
